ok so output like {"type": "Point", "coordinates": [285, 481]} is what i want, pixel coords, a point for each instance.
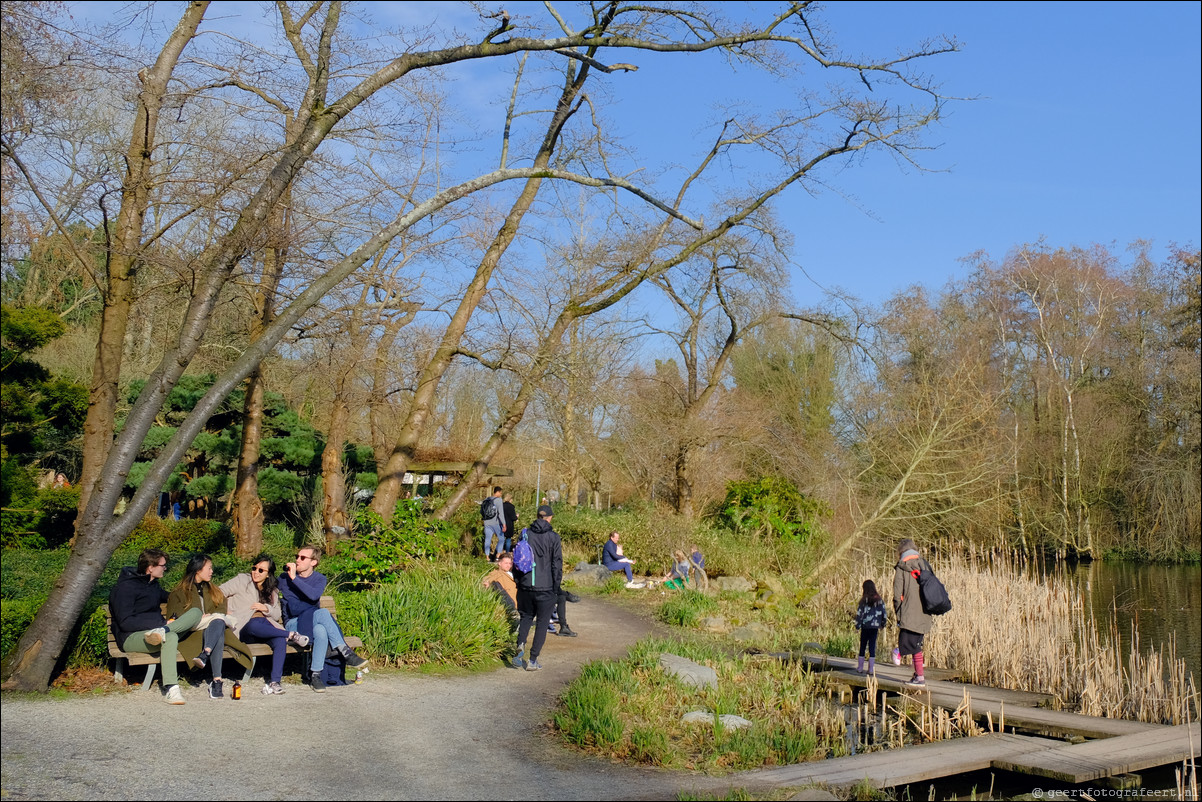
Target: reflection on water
{"type": "Point", "coordinates": [1161, 600]}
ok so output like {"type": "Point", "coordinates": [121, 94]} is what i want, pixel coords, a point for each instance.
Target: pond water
{"type": "Point", "coordinates": [1162, 600]}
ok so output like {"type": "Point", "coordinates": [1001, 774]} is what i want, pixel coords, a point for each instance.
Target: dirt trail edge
{"type": "Point", "coordinates": [483, 736]}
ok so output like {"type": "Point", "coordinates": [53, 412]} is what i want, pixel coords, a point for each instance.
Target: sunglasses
{"type": "Point", "coordinates": [258, 570]}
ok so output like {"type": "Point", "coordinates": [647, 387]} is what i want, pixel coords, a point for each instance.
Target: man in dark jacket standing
{"type": "Point", "coordinates": [135, 606]}
{"type": "Point", "coordinates": [538, 588]}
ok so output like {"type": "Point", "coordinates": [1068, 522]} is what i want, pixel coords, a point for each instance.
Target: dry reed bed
{"type": "Point", "coordinates": [1010, 630]}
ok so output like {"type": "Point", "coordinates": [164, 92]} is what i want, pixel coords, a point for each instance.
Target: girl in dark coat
{"type": "Point", "coordinates": [870, 619]}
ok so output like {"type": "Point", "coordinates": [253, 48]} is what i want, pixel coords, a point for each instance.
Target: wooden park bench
{"type": "Point", "coordinates": [125, 659]}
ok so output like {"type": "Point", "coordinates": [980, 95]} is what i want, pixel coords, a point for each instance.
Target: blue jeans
{"type": "Point", "coordinates": [622, 567]}
{"type": "Point", "coordinates": [326, 635]}
{"type": "Point", "coordinates": [489, 534]}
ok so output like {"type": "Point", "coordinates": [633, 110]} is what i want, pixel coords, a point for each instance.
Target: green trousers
{"type": "Point", "coordinates": [170, 646]}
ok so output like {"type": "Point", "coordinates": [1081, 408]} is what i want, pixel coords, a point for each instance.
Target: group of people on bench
{"type": "Point", "coordinates": [201, 619]}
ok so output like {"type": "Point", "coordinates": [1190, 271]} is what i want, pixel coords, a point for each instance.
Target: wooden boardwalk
{"type": "Point", "coordinates": [1122, 747]}
{"type": "Point", "coordinates": [1025, 754]}
{"type": "Point", "coordinates": [898, 766]}
{"type": "Point", "coordinates": [1079, 763]}
{"type": "Point", "coordinates": [1018, 708]}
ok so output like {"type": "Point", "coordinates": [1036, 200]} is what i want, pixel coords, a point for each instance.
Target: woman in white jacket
{"type": "Point", "coordinates": [254, 602]}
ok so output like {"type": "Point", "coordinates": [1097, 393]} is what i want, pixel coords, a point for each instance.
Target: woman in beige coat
{"type": "Point", "coordinates": [254, 601]}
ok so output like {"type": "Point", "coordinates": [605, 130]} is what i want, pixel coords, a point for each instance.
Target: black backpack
{"type": "Point", "coordinates": [931, 592]}
{"type": "Point", "coordinates": [488, 510]}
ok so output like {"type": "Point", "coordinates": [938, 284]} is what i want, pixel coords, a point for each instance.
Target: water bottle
{"type": "Point", "coordinates": [236, 693]}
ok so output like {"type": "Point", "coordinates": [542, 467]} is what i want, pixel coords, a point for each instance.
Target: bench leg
{"type": "Point", "coordinates": [249, 670]}
{"type": "Point", "coordinates": [150, 669]}
{"type": "Point", "coordinates": [119, 669]}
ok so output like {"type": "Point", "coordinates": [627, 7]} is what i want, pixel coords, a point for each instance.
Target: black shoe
{"type": "Point", "coordinates": [215, 690]}
{"type": "Point", "coordinates": [353, 660]}
{"type": "Point", "coordinates": [572, 597]}
{"type": "Point", "coordinates": [317, 683]}
{"type": "Point", "coordinates": [566, 632]}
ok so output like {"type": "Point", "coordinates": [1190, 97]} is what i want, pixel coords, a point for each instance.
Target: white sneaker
{"type": "Point", "coordinates": [174, 697]}
{"type": "Point", "coordinates": [155, 637]}
{"type": "Point", "coordinates": [635, 585]}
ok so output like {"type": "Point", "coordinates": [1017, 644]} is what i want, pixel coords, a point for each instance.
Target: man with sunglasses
{"type": "Point", "coordinates": [135, 606]}
{"type": "Point", "coordinates": [301, 586]}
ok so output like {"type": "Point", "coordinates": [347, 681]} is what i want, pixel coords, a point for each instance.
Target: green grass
{"type": "Point", "coordinates": [631, 709]}
{"type": "Point", "coordinates": [430, 615]}
{"type": "Point", "coordinates": [686, 608]}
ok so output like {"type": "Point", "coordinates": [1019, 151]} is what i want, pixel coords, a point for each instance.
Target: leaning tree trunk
{"type": "Point", "coordinates": [124, 255]}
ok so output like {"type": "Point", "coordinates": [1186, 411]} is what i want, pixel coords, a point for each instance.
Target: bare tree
{"type": "Point", "coordinates": [330, 98]}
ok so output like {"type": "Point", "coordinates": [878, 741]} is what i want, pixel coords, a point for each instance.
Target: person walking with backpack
{"type": "Point", "coordinates": [538, 569]}
{"type": "Point", "coordinates": [912, 621]}
{"type": "Point", "coordinates": [492, 513]}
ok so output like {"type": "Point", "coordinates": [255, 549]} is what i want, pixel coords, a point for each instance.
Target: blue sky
{"type": "Point", "coordinates": [1086, 128]}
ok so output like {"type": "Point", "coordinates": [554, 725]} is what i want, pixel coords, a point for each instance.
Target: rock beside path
{"type": "Point", "coordinates": [689, 672]}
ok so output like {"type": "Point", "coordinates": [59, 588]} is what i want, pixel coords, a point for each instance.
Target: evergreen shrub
{"type": "Point", "coordinates": [380, 550]}
{"type": "Point", "coordinates": [189, 535]}
{"type": "Point", "coordinates": [772, 507]}
{"type": "Point", "coordinates": [91, 647]}
{"type": "Point", "coordinates": [15, 617]}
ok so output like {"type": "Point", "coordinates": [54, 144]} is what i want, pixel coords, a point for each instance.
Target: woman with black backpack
{"type": "Point", "coordinates": [912, 621]}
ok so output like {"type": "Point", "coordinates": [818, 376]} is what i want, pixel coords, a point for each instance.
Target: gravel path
{"type": "Point", "coordinates": [401, 736]}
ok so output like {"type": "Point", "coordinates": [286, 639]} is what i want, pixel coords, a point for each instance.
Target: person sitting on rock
{"type": "Point", "coordinates": [678, 575]}
{"type": "Point", "coordinates": [613, 559]}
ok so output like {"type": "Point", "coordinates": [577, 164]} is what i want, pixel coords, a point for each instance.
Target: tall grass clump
{"type": "Point", "coordinates": [631, 709]}
{"type": "Point", "coordinates": [687, 608]}
{"type": "Point", "coordinates": [1037, 634]}
{"type": "Point", "coordinates": [432, 615]}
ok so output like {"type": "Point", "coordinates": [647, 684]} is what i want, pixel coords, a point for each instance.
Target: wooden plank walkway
{"type": "Point", "coordinates": [893, 767]}
{"type": "Point", "coordinates": [1016, 706]}
{"type": "Point", "coordinates": [1123, 746]}
{"type": "Point", "coordinates": [1093, 760]}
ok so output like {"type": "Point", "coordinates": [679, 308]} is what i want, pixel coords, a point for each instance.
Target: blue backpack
{"type": "Point", "coordinates": [523, 555]}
